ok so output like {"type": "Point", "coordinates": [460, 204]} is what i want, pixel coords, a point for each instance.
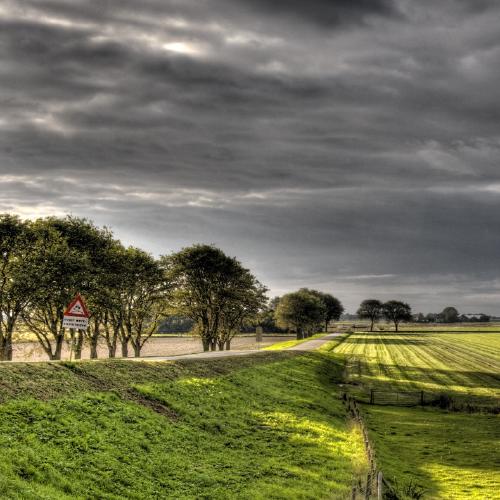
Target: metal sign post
{"type": "Point", "coordinates": [72, 345]}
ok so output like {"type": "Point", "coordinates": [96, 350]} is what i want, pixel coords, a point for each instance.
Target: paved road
{"type": "Point", "coordinates": [310, 345]}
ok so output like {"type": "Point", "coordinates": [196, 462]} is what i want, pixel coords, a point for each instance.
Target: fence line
{"type": "Point", "coordinates": [373, 487]}
{"type": "Point", "coordinates": [457, 402]}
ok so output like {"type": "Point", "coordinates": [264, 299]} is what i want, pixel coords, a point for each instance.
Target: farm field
{"type": "Point", "coordinates": [445, 454]}
{"type": "Point", "coordinates": [267, 426]}
{"type": "Point", "coordinates": [171, 345]}
{"type": "Point", "coordinates": [464, 365]}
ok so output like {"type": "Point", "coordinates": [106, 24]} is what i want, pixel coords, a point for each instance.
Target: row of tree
{"type": "Point", "coordinates": [450, 314]}
{"type": "Point", "coordinates": [393, 311]}
{"type": "Point", "coordinates": [44, 263]}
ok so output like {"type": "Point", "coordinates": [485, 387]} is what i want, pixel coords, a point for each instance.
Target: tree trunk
{"type": "Point", "coordinates": [137, 349]}
{"type": "Point", "coordinates": [326, 326]}
{"type": "Point", "coordinates": [94, 338]}
{"type": "Point", "coordinates": [206, 345]}
{"type": "Point", "coordinates": [396, 325]}
{"type": "Point", "coordinates": [79, 345]}
{"type": "Point", "coordinates": [6, 348]}
{"type": "Point", "coordinates": [124, 348]}
{"type": "Point", "coordinates": [58, 350]}
{"type": "Point", "coordinates": [93, 347]}
{"type": "Point", "coordinates": [371, 326]}
{"type": "Point", "coordinates": [112, 350]}
{"type": "Point", "coordinates": [300, 334]}
{"type": "Point", "coordinates": [228, 345]}
{"type": "Point", "coordinates": [213, 345]}
{"type": "Point", "coordinates": [221, 345]}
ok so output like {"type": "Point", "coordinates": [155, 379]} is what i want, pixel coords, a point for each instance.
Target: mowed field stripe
{"type": "Point", "coordinates": [434, 361]}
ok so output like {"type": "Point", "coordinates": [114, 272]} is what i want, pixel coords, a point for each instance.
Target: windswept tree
{"type": "Point", "coordinates": [333, 306]}
{"type": "Point", "coordinates": [371, 309]}
{"type": "Point", "coordinates": [396, 312]}
{"type": "Point", "coordinates": [212, 289]}
{"type": "Point", "coordinates": [301, 311]}
{"type": "Point", "coordinates": [97, 245]}
{"type": "Point", "coordinates": [144, 297]}
{"type": "Point", "coordinates": [17, 281]}
{"type": "Point", "coordinates": [60, 272]}
{"type": "Point", "coordinates": [245, 297]}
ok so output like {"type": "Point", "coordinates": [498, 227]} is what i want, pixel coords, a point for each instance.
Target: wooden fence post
{"type": "Point", "coordinates": [380, 480]}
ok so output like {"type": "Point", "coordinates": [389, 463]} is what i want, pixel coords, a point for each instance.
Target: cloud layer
{"type": "Point", "coordinates": [348, 146]}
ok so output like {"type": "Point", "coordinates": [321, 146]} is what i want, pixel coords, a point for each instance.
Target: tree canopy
{"type": "Point", "coordinates": [397, 312]}
{"type": "Point", "coordinates": [302, 311]}
{"type": "Point", "coordinates": [371, 309]}
{"type": "Point", "coordinates": [215, 291]}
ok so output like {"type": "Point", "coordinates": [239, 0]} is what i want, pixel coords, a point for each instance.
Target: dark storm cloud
{"type": "Point", "coordinates": [351, 146]}
{"type": "Point", "coordinates": [325, 13]}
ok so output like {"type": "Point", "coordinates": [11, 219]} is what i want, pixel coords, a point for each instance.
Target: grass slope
{"type": "Point", "coordinates": [270, 426]}
{"type": "Point", "coordinates": [451, 455]}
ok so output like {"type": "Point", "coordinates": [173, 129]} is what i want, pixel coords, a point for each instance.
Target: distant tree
{"type": "Point", "coordinates": [333, 306]}
{"type": "Point", "coordinates": [266, 317]}
{"type": "Point", "coordinates": [419, 318]}
{"type": "Point", "coordinates": [301, 311]}
{"type": "Point", "coordinates": [450, 315]}
{"type": "Point", "coordinates": [484, 318]}
{"type": "Point", "coordinates": [371, 309]}
{"type": "Point", "coordinates": [176, 324]}
{"type": "Point", "coordinates": [396, 312]}
{"type": "Point", "coordinates": [431, 318]}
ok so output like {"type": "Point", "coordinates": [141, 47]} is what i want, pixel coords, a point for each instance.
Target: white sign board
{"type": "Point", "coordinates": [76, 322]}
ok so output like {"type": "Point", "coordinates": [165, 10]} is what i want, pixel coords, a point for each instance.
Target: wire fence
{"type": "Point", "coordinates": [447, 401]}
{"type": "Point", "coordinates": [372, 485]}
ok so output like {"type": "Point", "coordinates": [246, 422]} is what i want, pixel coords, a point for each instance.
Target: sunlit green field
{"type": "Point", "coordinates": [447, 455]}
{"type": "Point", "coordinates": [461, 364]}
{"type": "Point", "coordinates": [266, 426]}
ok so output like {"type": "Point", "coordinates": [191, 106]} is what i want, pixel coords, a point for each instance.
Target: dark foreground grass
{"type": "Point", "coordinates": [444, 455]}
{"type": "Point", "coordinates": [270, 426]}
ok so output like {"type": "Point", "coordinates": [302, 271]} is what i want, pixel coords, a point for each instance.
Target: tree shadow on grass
{"type": "Point", "coordinates": [449, 454]}
{"type": "Point", "coordinates": [389, 378]}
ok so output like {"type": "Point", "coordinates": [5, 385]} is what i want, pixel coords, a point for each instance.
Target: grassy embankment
{"type": "Point", "coordinates": [266, 426]}
{"type": "Point", "coordinates": [451, 455]}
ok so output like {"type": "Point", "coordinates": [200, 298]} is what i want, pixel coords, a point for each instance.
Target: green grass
{"type": "Point", "coordinates": [451, 455]}
{"type": "Point", "coordinates": [292, 343]}
{"type": "Point", "coordinates": [460, 364]}
{"type": "Point", "coordinates": [267, 426]}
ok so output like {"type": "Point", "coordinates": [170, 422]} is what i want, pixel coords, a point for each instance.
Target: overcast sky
{"type": "Point", "coordinates": [351, 146]}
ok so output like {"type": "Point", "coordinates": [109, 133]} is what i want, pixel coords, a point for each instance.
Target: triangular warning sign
{"type": "Point", "coordinates": [77, 308]}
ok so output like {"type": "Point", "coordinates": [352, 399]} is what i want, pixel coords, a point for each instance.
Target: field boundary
{"type": "Point", "coordinates": [442, 400]}
{"type": "Point", "coordinates": [374, 478]}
